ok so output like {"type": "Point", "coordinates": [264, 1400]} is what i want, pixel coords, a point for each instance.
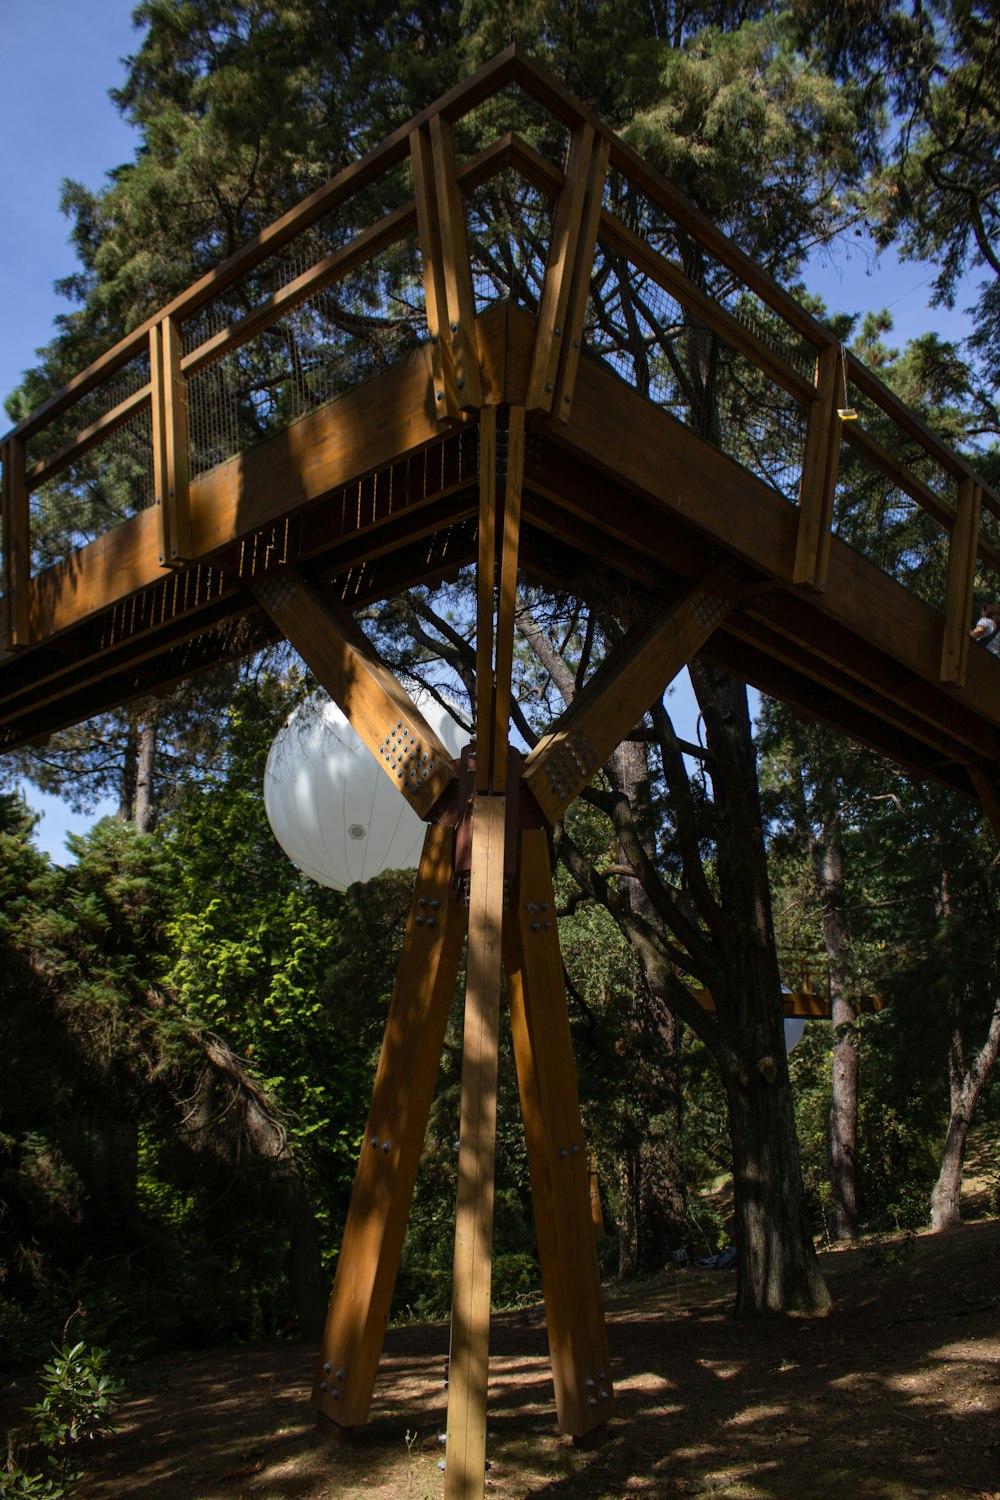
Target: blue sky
{"type": "Point", "coordinates": [60, 59]}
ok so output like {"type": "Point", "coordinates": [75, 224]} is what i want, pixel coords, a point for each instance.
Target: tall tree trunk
{"type": "Point", "coordinates": [655, 1171]}
{"type": "Point", "coordinates": [776, 1265]}
{"type": "Point", "coordinates": [842, 1139]}
{"type": "Point", "coordinates": [145, 788]}
{"type": "Point", "coordinates": [965, 1086]}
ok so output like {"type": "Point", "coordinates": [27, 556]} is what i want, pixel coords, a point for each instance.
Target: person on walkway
{"type": "Point", "coordinates": [987, 628]}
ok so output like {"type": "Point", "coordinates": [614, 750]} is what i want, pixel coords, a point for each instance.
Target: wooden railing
{"type": "Point", "coordinates": [609, 258]}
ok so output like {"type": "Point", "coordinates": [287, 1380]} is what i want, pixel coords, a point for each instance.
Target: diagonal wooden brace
{"type": "Point", "coordinates": [557, 1160]}
{"type": "Point", "coordinates": [621, 690]}
{"type": "Point", "coordinates": [378, 708]}
{"type": "Point", "coordinates": [394, 1137]}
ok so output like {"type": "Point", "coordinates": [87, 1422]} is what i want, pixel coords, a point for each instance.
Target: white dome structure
{"type": "Point", "coordinates": [331, 806]}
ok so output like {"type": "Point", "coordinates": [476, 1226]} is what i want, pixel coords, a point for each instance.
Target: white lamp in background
{"type": "Point", "coordinates": [330, 805]}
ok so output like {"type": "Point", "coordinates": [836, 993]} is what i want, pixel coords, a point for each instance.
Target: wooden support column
{"type": "Point", "coordinates": [171, 468]}
{"type": "Point", "coordinates": [611, 703]}
{"type": "Point", "coordinates": [448, 295]}
{"type": "Point", "coordinates": [819, 476]}
{"type": "Point", "coordinates": [962, 551]}
{"type": "Point", "coordinates": [986, 781]}
{"type": "Point", "coordinates": [468, 1368]}
{"type": "Point", "coordinates": [468, 1372]}
{"type": "Point", "coordinates": [575, 223]}
{"type": "Point", "coordinates": [394, 1137]}
{"type": "Point", "coordinates": [499, 534]}
{"type": "Point", "coordinates": [579, 292]}
{"type": "Point", "coordinates": [16, 545]}
{"type": "Point", "coordinates": [557, 1159]}
{"type": "Point", "coordinates": [379, 709]}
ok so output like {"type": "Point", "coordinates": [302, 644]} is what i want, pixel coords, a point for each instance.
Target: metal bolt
{"type": "Point", "coordinates": [567, 398]}
{"type": "Point", "coordinates": [545, 906]}
{"type": "Point", "coordinates": [576, 343]}
{"type": "Point", "coordinates": [575, 1149]}
{"type": "Point", "coordinates": [603, 1394]}
{"type": "Point", "coordinates": [589, 1382]}
{"type": "Point", "coordinates": [558, 332]}
{"type": "Point", "coordinates": [340, 1373]}
{"type": "Point", "coordinates": [548, 387]}
{"type": "Point", "coordinates": [385, 1147]}
{"type": "Point", "coordinates": [421, 900]}
{"type": "Point", "coordinates": [563, 1153]}
{"type": "Point", "coordinates": [374, 1142]}
{"type": "Point", "coordinates": [534, 926]}
{"type": "Point", "coordinates": [336, 1395]}
{"type": "Point", "coordinates": [440, 395]}
{"type": "Point", "coordinates": [328, 1367]}
{"type": "Point", "coordinates": [591, 1400]}
{"type": "Point", "coordinates": [602, 1375]}
{"type": "Point", "coordinates": [432, 921]}
{"type": "Point", "coordinates": [459, 384]}
{"type": "Point", "coordinates": [545, 926]}
{"type": "Point", "coordinates": [420, 921]}
{"type": "Point", "coordinates": [532, 907]}
{"type": "Point", "coordinates": [324, 1385]}
{"type": "Point", "coordinates": [435, 905]}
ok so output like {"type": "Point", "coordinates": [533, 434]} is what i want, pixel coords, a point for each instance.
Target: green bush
{"type": "Point", "coordinates": [77, 1399]}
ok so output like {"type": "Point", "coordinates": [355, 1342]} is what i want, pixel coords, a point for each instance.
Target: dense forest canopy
{"type": "Point", "coordinates": [189, 1025]}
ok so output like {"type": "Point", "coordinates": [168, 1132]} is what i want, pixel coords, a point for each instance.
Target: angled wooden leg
{"type": "Point", "coordinates": [470, 1316]}
{"type": "Point", "coordinates": [557, 1160]}
{"type": "Point", "coordinates": [390, 1153]}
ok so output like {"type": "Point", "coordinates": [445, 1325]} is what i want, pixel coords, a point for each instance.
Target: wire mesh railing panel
{"type": "Point", "coordinates": [103, 487]}
{"type": "Point", "coordinates": [874, 511]}
{"type": "Point", "coordinates": [338, 338]}
{"type": "Point", "coordinates": [654, 224]}
{"type": "Point", "coordinates": [987, 586]}
{"type": "Point", "coordinates": [509, 227]}
{"type": "Point", "coordinates": [389, 191]}
{"type": "Point", "coordinates": [104, 398]}
{"type": "Point", "coordinates": [511, 109]}
{"type": "Point", "coordinates": [669, 356]}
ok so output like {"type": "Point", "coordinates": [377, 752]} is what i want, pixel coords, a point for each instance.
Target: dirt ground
{"type": "Point", "coordinates": [894, 1395]}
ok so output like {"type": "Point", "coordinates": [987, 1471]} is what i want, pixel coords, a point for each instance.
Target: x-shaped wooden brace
{"type": "Point", "coordinates": [511, 924]}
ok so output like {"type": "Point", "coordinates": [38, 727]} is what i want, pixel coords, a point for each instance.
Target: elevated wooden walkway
{"type": "Point", "coordinates": [314, 402]}
{"type": "Point", "coordinates": [500, 341]}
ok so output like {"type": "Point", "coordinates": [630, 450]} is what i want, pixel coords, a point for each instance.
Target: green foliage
{"type": "Point", "coordinates": [77, 1401]}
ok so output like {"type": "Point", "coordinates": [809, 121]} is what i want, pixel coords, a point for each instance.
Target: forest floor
{"type": "Point", "coordinates": [894, 1395]}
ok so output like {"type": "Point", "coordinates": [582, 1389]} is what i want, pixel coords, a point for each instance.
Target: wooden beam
{"type": "Point", "coordinates": [465, 1457]}
{"type": "Point", "coordinates": [507, 595]}
{"type": "Point", "coordinates": [575, 315]}
{"type": "Point", "coordinates": [171, 469]}
{"type": "Point", "coordinates": [986, 781]}
{"type": "Point", "coordinates": [379, 710]}
{"type": "Point", "coordinates": [393, 1140]}
{"type": "Point", "coordinates": [962, 550]}
{"type": "Point", "coordinates": [485, 596]}
{"type": "Point", "coordinates": [557, 1157]}
{"type": "Point", "coordinates": [611, 703]}
{"type": "Point", "coordinates": [446, 403]}
{"type": "Point", "coordinates": [457, 271]}
{"type": "Point", "coordinates": [819, 477]}
{"type": "Point", "coordinates": [799, 1005]}
{"type": "Point", "coordinates": [16, 545]}
{"type": "Point", "coordinates": [571, 213]}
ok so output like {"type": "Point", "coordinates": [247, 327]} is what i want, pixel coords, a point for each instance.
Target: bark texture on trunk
{"type": "Point", "coordinates": [145, 785]}
{"type": "Point", "coordinates": [777, 1270]}
{"type": "Point", "coordinates": [966, 1080]}
{"type": "Point", "coordinates": [842, 1139]}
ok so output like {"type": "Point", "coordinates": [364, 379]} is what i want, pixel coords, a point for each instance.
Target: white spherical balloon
{"type": "Point", "coordinates": [330, 805]}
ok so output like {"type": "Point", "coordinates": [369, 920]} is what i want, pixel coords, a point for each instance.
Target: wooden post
{"type": "Point", "coordinates": [465, 1456]}
{"type": "Point", "coordinates": [16, 545]}
{"type": "Point", "coordinates": [962, 550]}
{"type": "Point", "coordinates": [579, 294]}
{"type": "Point", "coordinates": [394, 1137]}
{"type": "Point", "coordinates": [819, 476]}
{"type": "Point", "coordinates": [557, 1159]}
{"type": "Point", "coordinates": [446, 403]}
{"type": "Point", "coordinates": [171, 468]}
{"type": "Point", "coordinates": [987, 784]}
{"type": "Point", "coordinates": [457, 271]}
{"type": "Point", "coordinates": [571, 215]}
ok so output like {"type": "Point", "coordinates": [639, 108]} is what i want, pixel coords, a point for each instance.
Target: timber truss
{"type": "Point", "coordinates": [498, 341]}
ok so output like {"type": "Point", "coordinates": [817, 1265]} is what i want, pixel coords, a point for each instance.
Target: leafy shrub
{"type": "Point", "coordinates": [77, 1399]}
